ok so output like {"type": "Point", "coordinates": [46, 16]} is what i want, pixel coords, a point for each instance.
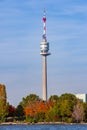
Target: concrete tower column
{"type": "Point", "coordinates": [44, 78]}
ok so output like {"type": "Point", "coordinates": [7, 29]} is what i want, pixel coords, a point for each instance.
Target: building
{"type": "Point", "coordinates": [44, 51]}
{"type": "Point", "coordinates": [82, 97]}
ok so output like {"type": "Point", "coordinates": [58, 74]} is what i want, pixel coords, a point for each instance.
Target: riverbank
{"type": "Point", "coordinates": [40, 123]}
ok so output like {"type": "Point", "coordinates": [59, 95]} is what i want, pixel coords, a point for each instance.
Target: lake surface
{"type": "Point", "coordinates": [44, 127]}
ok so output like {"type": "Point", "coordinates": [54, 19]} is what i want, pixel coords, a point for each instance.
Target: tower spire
{"type": "Point", "coordinates": [44, 25]}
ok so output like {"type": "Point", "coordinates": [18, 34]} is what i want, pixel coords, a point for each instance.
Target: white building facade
{"type": "Point", "coordinates": [82, 97]}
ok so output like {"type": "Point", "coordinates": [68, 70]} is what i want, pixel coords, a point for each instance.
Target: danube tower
{"type": "Point", "coordinates": [44, 48]}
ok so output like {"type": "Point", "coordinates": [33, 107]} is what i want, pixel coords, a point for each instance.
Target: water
{"type": "Point", "coordinates": [44, 127]}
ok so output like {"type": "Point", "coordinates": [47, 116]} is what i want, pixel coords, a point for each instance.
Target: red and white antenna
{"type": "Point", "coordinates": [44, 25]}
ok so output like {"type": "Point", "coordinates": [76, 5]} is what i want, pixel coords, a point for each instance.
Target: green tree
{"type": "Point", "coordinates": [54, 98]}
{"type": "Point", "coordinates": [19, 111]}
{"type": "Point", "coordinates": [66, 104]}
{"type": "Point", "coordinates": [70, 98]}
{"type": "Point", "coordinates": [52, 114]}
{"type": "Point", "coordinates": [65, 110]}
{"type": "Point", "coordinates": [28, 99]}
{"type": "Point", "coordinates": [3, 102]}
{"type": "Point", "coordinates": [62, 109]}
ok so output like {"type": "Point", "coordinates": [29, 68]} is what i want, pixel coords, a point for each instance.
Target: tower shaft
{"type": "Point", "coordinates": [44, 58]}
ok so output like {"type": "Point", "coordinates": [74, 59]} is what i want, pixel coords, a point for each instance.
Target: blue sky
{"type": "Point", "coordinates": [20, 36]}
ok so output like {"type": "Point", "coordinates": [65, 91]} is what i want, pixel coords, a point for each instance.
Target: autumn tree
{"type": "Point", "coordinates": [31, 110]}
{"type": "Point", "coordinates": [3, 102]}
{"type": "Point", "coordinates": [28, 104]}
{"type": "Point", "coordinates": [78, 112]}
{"type": "Point", "coordinates": [37, 110]}
{"type": "Point", "coordinates": [11, 111]}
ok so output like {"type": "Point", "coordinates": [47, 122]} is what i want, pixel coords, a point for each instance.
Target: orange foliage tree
{"type": "Point", "coordinates": [37, 107]}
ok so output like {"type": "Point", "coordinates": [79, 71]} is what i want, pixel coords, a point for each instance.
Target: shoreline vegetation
{"type": "Point", "coordinates": [33, 110]}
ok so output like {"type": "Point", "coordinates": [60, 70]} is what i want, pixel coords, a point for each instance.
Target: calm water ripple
{"type": "Point", "coordinates": [44, 127]}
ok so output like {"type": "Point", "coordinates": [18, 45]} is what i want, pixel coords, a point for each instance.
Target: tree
{"type": "Point", "coordinates": [3, 102]}
{"type": "Point", "coordinates": [28, 99]}
{"type": "Point", "coordinates": [19, 111]}
{"type": "Point", "coordinates": [52, 113]}
{"type": "Point", "coordinates": [11, 111]}
{"type": "Point", "coordinates": [65, 105]}
{"type": "Point", "coordinates": [78, 112]}
{"type": "Point", "coordinates": [54, 98]}
{"type": "Point", "coordinates": [85, 111]}
{"type": "Point", "coordinates": [70, 98]}
{"type": "Point", "coordinates": [36, 107]}
{"type": "Point", "coordinates": [37, 110]}
{"type": "Point", "coordinates": [65, 110]}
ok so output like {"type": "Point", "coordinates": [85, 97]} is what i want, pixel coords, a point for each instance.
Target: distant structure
{"type": "Point", "coordinates": [82, 97]}
{"type": "Point", "coordinates": [44, 51]}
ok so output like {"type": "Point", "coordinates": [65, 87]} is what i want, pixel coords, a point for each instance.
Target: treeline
{"type": "Point", "coordinates": [64, 108]}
